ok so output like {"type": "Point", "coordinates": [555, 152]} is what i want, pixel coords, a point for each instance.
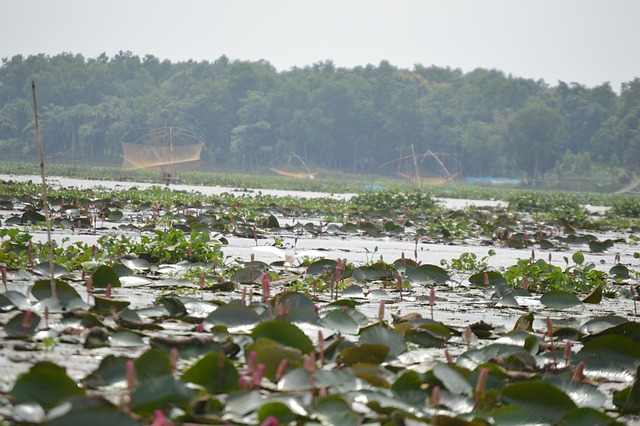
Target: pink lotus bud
{"type": "Point", "coordinates": [533, 254]}
{"type": "Point", "coordinates": [578, 373]}
{"type": "Point", "coordinates": [107, 292]}
{"type": "Point", "coordinates": [567, 352]}
{"type": "Point", "coordinates": [4, 276]}
{"type": "Point", "coordinates": [468, 335]}
{"type": "Point", "coordinates": [251, 362]}
{"type": "Point", "coordinates": [93, 250]}
{"type": "Point", "coordinates": [435, 396]}
{"type": "Point", "coordinates": [159, 418]}
{"type": "Point", "coordinates": [26, 320]}
{"type": "Point", "coordinates": [448, 356]}
{"type": "Point", "coordinates": [381, 311]}
{"type": "Point", "coordinates": [131, 375]}
{"type": "Point", "coordinates": [46, 316]}
{"type": "Point", "coordinates": [199, 327]}
{"type": "Point", "coordinates": [486, 279]}
{"type": "Point", "coordinates": [525, 282]}
{"type": "Point", "coordinates": [549, 327]}
{"type": "Point", "coordinates": [90, 285]}
{"type": "Point", "coordinates": [174, 356]}
{"type": "Point", "coordinates": [256, 378]}
{"type": "Point", "coordinates": [481, 384]}
{"type": "Point", "coordinates": [266, 286]}
{"type": "Point", "coordinates": [202, 281]}
{"type": "Point", "coordinates": [309, 362]}
{"type": "Point", "coordinates": [550, 257]}
{"type": "Point", "coordinates": [282, 369]}
{"type": "Point", "coordinates": [270, 421]}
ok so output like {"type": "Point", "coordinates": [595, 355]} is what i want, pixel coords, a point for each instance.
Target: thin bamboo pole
{"type": "Point", "coordinates": [45, 200]}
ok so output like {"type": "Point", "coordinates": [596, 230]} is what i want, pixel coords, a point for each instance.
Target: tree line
{"type": "Point", "coordinates": [356, 120]}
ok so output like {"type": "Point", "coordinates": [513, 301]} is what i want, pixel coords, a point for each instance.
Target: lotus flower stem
{"type": "Point", "coordinates": [432, 299]}
{"type": "Point", "coordinates": [381, 312]}
{"type": "Point", "coordinates": [202, 282]}
{"type": "Point", "coordinates": [89, 287]}
{"type": "Point", "coordinates": [26, 320]}
{"type": "Point", "coordinates": [435, 399]}
{"type": "Point", "coordinates": [550, 333]}
{"type": "Point", "coordinates": [3, 270]}
{"type": "Point", "coordinates": [468, 336]}
{"type": "Point", "coordinates": [321, 346]}
{"type": "Point", "coordinates": [633, 297]}
{"type": "Point", "coordinates": [567, 352]}
{"type": "Point", "coordinates": [400, 286]}
{"type": "Point", "coordinates": [174, 356]}
{"type": "Point", "coordinates": [480, 386]}
{"type": "Point", "coordinates": [578, 374]}
{"type": "Point", "coordinates": [448, 356]}
{"type": "Point", "coordinates": [282, 369]}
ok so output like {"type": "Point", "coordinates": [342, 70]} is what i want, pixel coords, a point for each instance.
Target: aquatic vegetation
{"type": "Point", "coordinates": [172, 328]}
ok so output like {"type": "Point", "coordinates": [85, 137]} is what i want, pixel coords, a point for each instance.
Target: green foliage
{"type": "Point", "coordinates": [543, 276]}
{"type": "Point", "coordinates": [334, 116]}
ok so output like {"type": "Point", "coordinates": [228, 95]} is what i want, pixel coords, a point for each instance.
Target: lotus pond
{"type": "Point", "coordinates": [200, 305]}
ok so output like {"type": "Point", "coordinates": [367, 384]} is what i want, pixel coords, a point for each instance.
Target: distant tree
{"type": "Point", "coordinates": [534, 134]}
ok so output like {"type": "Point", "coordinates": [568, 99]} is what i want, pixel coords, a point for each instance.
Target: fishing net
{"type": "Point", "coordinates": [168, 150]}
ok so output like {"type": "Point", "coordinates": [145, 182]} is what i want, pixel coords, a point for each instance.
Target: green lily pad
{"type": "Point", "coordinates": [215, 372]}
{"type": "Point", "coordinates": [42, 290]}
{"type": "Point", "coordinates": [560, 300]}
{"type": "Point", "coordinates": [190, 347]}
{"type": "Point", "coordinates": [17, 326]}
{"type": "Point", "coordinates": [285, 333]}
{"type": "Point", "coordinates": [46, 384]}
{"type": "Point", "coordinates": [379, 335]}
{"type": "Point", "coordinates": [322, 266]}
{"type": "Point", "coordinates": [276, 410]}
{"type": "Point", "coordinates": [363, 353]}
{"type": "Point", "coordinates": [408, 387]}
{"type": "Point", "coordinates": [334, 410]}
{"type": "Point", "coordinates": [271, 353]}
{"type": "Point", "coordinates": [540, 398]}
{"type": "Point", "coordinates": [341, 321]}
{"type": "Point", "coordinates": [111, 370]}
{"type": "Point", "coordinates": [106, 305]}
{"type": "Point", "coordinates": [232, 315]}
{"type": "Point", "coordinates": [452, 380]}
{"type": "Point", "coordinates": [428, 274]}
{"type": "Point", "coordinates": [94, 411]}
{"type": "Point", "coordinates": [628, 399]}
{"type": "Point", "coordinates": [495, 278]}
{"type": "Point", "coordinates": [160, 392]}
{"type": "Point", "coordinates": [587, 416]}
{"type": "Point", "coordinates": [610, 356]}
{"type": "Point", "coordinates": [103, 276]}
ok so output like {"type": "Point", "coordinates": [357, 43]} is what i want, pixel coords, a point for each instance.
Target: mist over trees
{"type": "Point", "coordinates": [353, 120]}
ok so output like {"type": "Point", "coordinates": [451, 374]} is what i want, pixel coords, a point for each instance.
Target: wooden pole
{"type": "Point", "coordinates": [45, 200]}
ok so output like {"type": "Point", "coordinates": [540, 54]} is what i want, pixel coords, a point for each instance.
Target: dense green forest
{"type": "Point", "coordinates": [353, 120]}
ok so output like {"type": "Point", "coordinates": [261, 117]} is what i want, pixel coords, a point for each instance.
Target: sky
{"type": "Point", "coordinates": [589, 42]}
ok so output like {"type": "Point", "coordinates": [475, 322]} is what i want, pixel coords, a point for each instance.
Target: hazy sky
{"type": "Point", "coordinates": [585, 41]}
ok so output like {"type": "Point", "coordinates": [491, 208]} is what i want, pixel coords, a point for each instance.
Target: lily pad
{"type": "Point", "coordinates": [46, 384]}
{"type": "Point", "coordinates": [214, 372]}
{"type": "Point", "coordinates": [539, 398]}
{"type": "Point", "coordinates": [159, 392]}
{"type": "Point", "coordinates": [560, 300]}
{"type": "Point", "coordinates": [103, 276]}
{"type": "Point", "coordinates": [285, 333]}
